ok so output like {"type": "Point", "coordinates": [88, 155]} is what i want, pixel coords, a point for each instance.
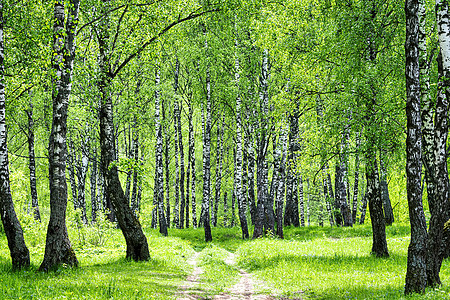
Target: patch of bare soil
{"type": "Point", "coordinates": [246, 288]}
{"type": "Point", "coordinates": [191, 288]}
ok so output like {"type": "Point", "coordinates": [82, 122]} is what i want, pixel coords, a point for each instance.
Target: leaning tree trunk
{"type": "Point", "coordinates": [58, 250]}
{"type": "Point", "coordinates": [32, 164]}
{"type": "Point", "coordinates": [416, 277]}
{"type": "Point", "coordinates": [20, 255]}
{"type": "Point", "coordinates": [137, 247]}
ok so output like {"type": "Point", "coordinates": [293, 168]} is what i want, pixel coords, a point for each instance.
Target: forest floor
{"type": "Point", "coordinates": [310, 263]}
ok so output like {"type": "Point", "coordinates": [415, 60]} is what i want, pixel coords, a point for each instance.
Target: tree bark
{"type": "Point", "coordinates": [82, 168]}
{"type": "Point", "coordinates": [439, 207]}
{"type": "Point", "coordinates": [166, 160]}
{"type": "Point", "coordinates": [388, 213]}
{"type": "Point", "coordinates": [373, 194]}
{"type": "Point", "coordinates": [179, 135]}
{"type": "Point", "coordinates": [355, 185]}
{"type": "Point", "coordinates": [71, 160]}
{"type": "Point", "coordinates": [193, 170]}
{"type": "Point", "coordinates": [176, 209]}
{"type": "Point", "coordinates": [261, 164]}
{"type": "Point", "coordinates": [93, 181]}
{"type": "Point", "coordinates": [206, 160]}
{"type": "Point", "coordinates": [58, 250]}
{"type": "Point", "coordinates": [239, 160]}
{"type": "Point", "coordinates": [32, 163]}
{"type": "Point", "coordinates": [219, 169]}
{"type": "Point", "coordinates": [159, 180]}
{"type": "Point", "coordinates": [280, 169]}
{"type": "Point", "coordinates": [416, 275]}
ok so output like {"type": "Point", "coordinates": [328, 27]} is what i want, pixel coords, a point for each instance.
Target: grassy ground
{"type": "Point", "coordinates": [314, 262]}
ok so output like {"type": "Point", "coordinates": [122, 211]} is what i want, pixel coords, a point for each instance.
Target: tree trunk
{"type": "Point", "coordinates": [363, 208]}
{"type": "Point", "coordinates": [20, 255]}
{"type": "Point", "coordinates": [220, 133]}
{"type": "Point", "coordinates": [192, 159]}
{"type": "Point", "coordinates": [342, 184]}
{"type": "Point", "coordinates": [280, 168]}
{"type": "Point", "coordinates": [58, 250]}
{"type": "Point", "coordinates": [135, 157]}
{"type": "Point", "coordinates": [159, 180]}
{"type": "Point", "coordinates": [206, 160]}
{"type": "Point", "coordinates": [137, 247]}
{"type": "Point", "coordinates": [251, 174]}
{"type": "Point", "coordinates": [82, 168]}
{"type": "Point", "coordinates": [180, 147]}
{"type": "Point", "coordinates": [176, 209]}
{"type": "Point", "coordinates": [373, 194]}
{"type": "Point", "coordinates": [239, 161]}
{"type": "Point", "coordinates": [437, 242]}
{"type": "Point", "coordinates": [388, 213]}
{"type": "Point", "coordinates": [225, 210]}
{"type": "Point", "coordinates": [439, 207]}
{"type": "Point", "coordinates": [416, 277]}
{"type": "Point", "coordinates": [32, 164]}
{"type": "Point", "coordinates": [93, 180]}
{"type": "Point", "coordinates": [129, 153]}
{"type": "Point", "coordinates": [356, 183]}
{"type": "Point", "coordinates": [261, 165]}
{"type": "Point", "coordinates": [166, 160]}
{"type": "Point", "coordinates": [301, 201]}
{"type": "Point", "coordinates": [71, 160]}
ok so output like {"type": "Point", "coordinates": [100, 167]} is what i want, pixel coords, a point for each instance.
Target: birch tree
{"type": "Point", "coordinates": [20, 255]}
{"type": "Point", "coordinates": [58, 249]}
{"type": "Point", "coordinates": [416, 276]}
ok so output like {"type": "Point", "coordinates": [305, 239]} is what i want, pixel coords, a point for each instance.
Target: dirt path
{"type": "Point", "coordinates": [191, 288]}
{"type": "Point", "coordinates": [243, 289]}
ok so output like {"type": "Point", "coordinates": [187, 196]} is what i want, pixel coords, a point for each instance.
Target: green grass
{"type": "Point", "coordinates": [217, 275]}
{"type": "Point", "coordinates": [334, 263]}
{"type": "Point", "coordinates": [311, 263]}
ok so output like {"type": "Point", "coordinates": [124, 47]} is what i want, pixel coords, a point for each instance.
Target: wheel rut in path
{"type": "Point", "coordinates": [244, 289]}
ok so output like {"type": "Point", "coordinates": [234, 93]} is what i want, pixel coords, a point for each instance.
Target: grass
{"type": "Point", "coordinates": [311, 263]}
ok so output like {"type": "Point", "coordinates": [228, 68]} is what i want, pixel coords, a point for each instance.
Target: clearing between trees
{"type": "Point", "coordinates": [310, 263]}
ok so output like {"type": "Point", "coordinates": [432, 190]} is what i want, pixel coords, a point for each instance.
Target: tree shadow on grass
{"type": "Point", "coordinates": [119, 279]}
